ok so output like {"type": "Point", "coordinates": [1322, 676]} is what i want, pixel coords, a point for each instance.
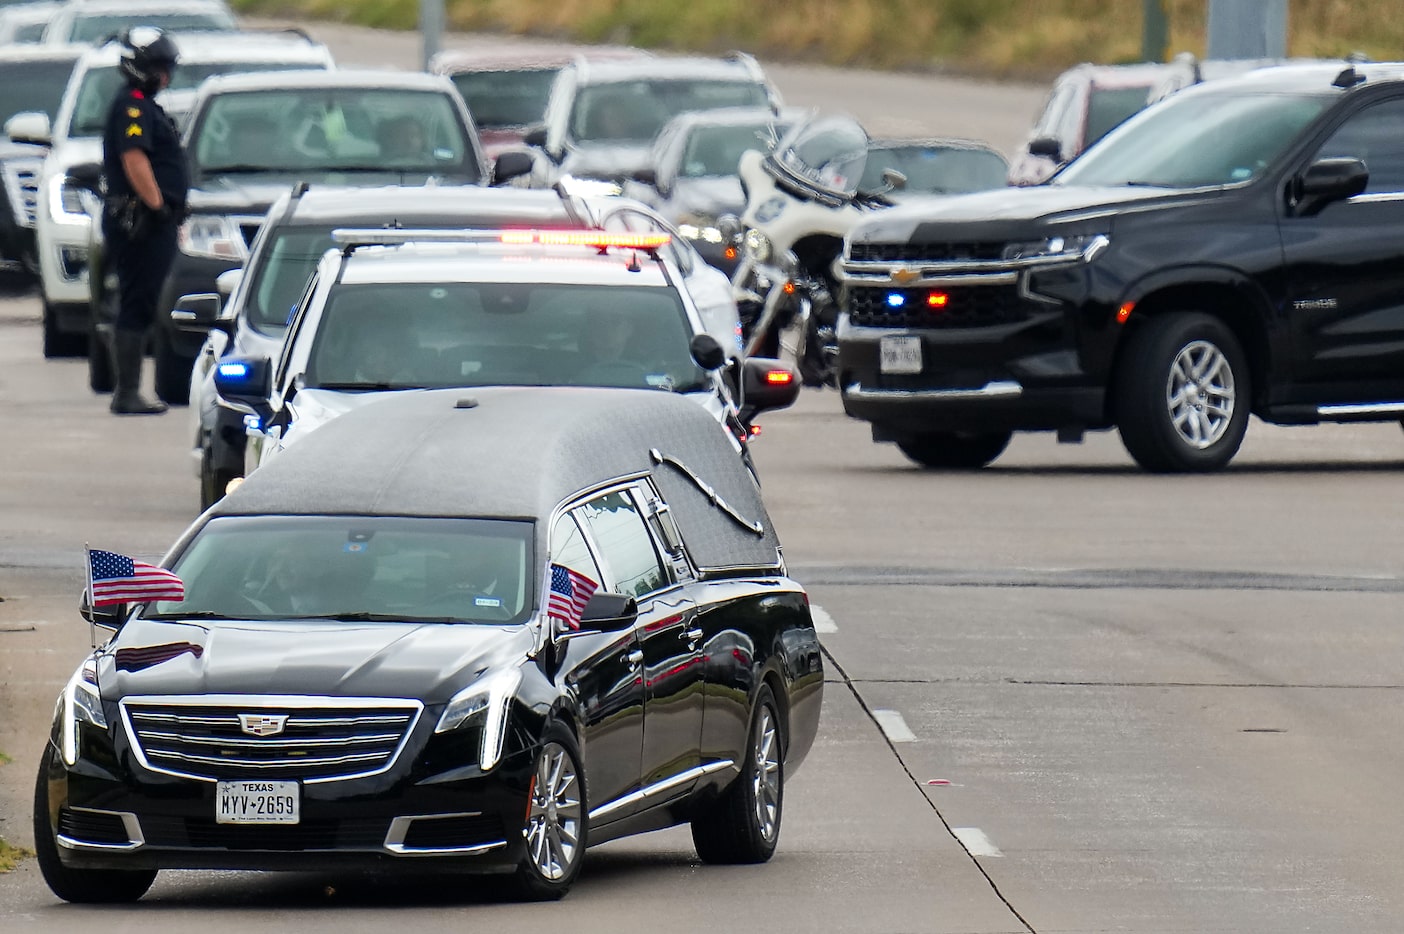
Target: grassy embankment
{"type": "Point", "coordinates": [998, 38]}
{"type": "Point", "coordinates": [9, 855]}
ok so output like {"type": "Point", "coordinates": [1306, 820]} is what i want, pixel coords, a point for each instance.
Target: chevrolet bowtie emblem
{"type": "Point", "coordinates": [905, 276]}
{"type": "Point", "coordinates": [262, 724]}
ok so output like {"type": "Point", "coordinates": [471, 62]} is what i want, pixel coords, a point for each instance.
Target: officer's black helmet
{"type": "Point", "coordinates": [147, 52]}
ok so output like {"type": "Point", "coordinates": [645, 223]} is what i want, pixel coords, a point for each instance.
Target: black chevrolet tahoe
{"type": "Point", "coordinates": [1237, 249]}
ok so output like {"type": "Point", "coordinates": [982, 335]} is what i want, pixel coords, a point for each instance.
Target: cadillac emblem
{"type": "Point", "coordinates": [257, 724]}
{"type": "Point", "coordinates": [903, 276]}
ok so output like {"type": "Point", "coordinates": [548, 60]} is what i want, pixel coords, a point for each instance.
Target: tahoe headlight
{"type": "Point", "coordinates": [1069, 247]}
{"type": "Point", "coordinates": [80, 703]}
{"type": "Point", "coordinates": [214, 236]}
{"type": "Point", "coordinates": [485, 700]}
{"type": "Point", "coordinates": [757, 245]}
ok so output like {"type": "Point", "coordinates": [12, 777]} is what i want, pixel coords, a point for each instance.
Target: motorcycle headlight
{"type": "Point", "coordinates": [214, 236]}
{"type": "Point", "coordinates": [485, 700]}
{"type": "Point", "coordinates": [757, 245]}
{"type": "Point", "coordinates": [81, 703]}
{"type": "Point", "coordinates": [1079, 246]}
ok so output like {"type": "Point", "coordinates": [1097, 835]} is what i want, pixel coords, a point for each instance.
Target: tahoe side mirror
{"type": "Point", "coordinates": [246, 384]}
{"type": "Point", "coordinates": [31, 126]}
{"type": "Point", "coordinates": [894, 180]}
{"type": "Point", "coordinates": [647, 176]}
{"type": "Point", "coordinates": [1325, 181]}
{"type": "Point", "coordinates": [707, 351]}
{"type": "Point", "coordinates": [535, 136]}
{"type": "Point", "coordinates": [198, 313]}
{"type": "Point", "coordinates": [1047, 147]}
{"type": "Point", "coordinates": [608, 612]}
{"type": "Point", "coordinates": [108, 617]}
{"type": "Point", "coordinates": [766, 384]}
{"type": "Point", "coordinates": [510, 165]}
{"type": "Point", "coordinates": [227, 281]}
{"type": "Point", "coordinates": [87, 175]}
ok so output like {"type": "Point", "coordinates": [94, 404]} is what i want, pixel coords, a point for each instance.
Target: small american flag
{"type": "Point", "coordinates": [570, 591]}
{"type": "Point", "coordinates": [118, 579]}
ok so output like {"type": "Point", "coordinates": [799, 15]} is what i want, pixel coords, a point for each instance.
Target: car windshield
{"type": "Point", "coordinates": [933, 169]}
{"type": "Point", "coordinates": [348, 129]}
{"type": "Point", "coordinates": [100, 85]}
{"type": "Point", "coordinates": [1108, 108]}
{"type": "Point", "coordinates": [32, 86]}
{"type": "Point", "coordinates": [1197, 140]}
{"type": "Point", "coordinates": [91, 28]}
{"type": "Point", "coordinates": [410, 335]}
{"type": "Point", "coordinates": [499, 99]}
{"type": "Point", "coordinates": [716, 150]}
{"type": "Point", "coordinates": [634, 111]}
{"type": "Point", "coordinates": [357, 568]}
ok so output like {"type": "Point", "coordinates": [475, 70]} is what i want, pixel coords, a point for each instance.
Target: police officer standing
{"type": "Point", "coordinates": [147, 183]}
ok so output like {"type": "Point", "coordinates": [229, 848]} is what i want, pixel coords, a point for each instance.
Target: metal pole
{"type": "Point", "coordinates": [431, 28]}
{"type": "Point", "coordinates": [1247, 29]}
{"type": "Point", "coordinates": [1155, 32]}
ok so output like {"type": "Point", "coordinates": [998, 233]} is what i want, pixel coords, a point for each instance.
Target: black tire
{"type": "Point", "coordinates": [743, 824]}
{"type": "Point", "coordinates": [58, 342]}
{"type": "Point", "coordinates": [817, 357]}
{"type": "Point", "coordinates": [1190, 364]}
{"type": "Point", "coordinates": [172, 370]}
{"type": "Point", "coordinates": [80, 886]}
{"type": "Point", "coordinates": [213, 481]}
{"type": "Point", "coordinates": [955, 450]}
{"type": "Point", "coordinates": [101, 378]}
{"type": "Point", "coordinates": [551, 864]}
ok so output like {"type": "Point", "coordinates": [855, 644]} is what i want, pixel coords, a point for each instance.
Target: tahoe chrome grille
{"type": "Point", "coordinates": [22, 188]}
{"type": "Point", "coordinates": [941, 251]}
{"type": "Point", "coordinates": [967, 306]}
{"type": "Point", "coordinates": [307, 739]}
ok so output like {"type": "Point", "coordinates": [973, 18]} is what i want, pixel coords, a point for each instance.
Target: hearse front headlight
{"type": "Point", "coordinates": [81, 703]}
{"type": "Point", "coordinates": [487, 700]}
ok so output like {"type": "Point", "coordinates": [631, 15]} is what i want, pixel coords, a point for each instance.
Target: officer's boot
{"type": "Point", "coordinates": [126, 366]}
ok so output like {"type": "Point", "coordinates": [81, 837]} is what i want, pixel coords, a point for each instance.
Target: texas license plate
{"type": "Point", "coordinates": [257, 803]}
{"type": "Point", "coordinates": [900, 355]}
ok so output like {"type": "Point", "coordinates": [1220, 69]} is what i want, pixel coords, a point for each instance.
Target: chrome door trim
{"type": "Point", "coordinates": [658, 788]}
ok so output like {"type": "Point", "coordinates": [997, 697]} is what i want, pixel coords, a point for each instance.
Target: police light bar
{"type": "Point", "coordinates": [594, 238]}
{"type": "Point", "coordinates": [396, 236]}
{"type": "Point", "coordinates": [350, 238]}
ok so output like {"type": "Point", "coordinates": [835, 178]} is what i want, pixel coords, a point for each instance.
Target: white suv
{"type": "Point", "coordinates": [63, 220]}
{"type": "Point", "coordinates": [401, 310]}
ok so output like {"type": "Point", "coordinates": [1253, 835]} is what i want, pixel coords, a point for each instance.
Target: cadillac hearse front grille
{"type": "Point", "coordinates": [306, 739]}
{"type": "Point", "coordinates": [966, 306]}
{"type": "Point", "coordinates": [941, 251]}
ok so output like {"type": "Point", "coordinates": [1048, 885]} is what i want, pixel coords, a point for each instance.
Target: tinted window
{"type": "Point", "coordinates": [631, 563]}
{"type": "Point", "coordinates": [1375, 135]}
{"type": "Point", "coordinates": [717, 150]}
{"type": "Point", "coordinates": [569, 549]}
{"type": "Point", "coordinates": [403, 335]}
{"type": "Point", "coordinates": [499, 99]}
{"type": "Point", "coordinates": [1197, 139]}
{"type": "Point", "coordinates": [32, 32]}
{"type": "Point", "coordinates": [472, 570]}
{"type": "Point", "coordinates": [636, 110]}
{"type": "Point", "coordinates": [935, 169]}
{"type": "Point", "coordinates": [289, 260]}
{"type": "Point", "coordinates": [330, 129]}
{"type": "Point", "coordinates": [1108, 108]}
{"type": "Point", "coordinates": [32, 86]}
{"type": "Point", "coordinates": [93, 28]}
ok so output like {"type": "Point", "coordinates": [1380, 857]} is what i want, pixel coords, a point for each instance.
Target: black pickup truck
{"type": "Point", "coordinates": [1236, 249]}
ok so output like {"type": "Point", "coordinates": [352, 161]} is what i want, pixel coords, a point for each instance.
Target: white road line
{"type": "Point", "coordinates": [823, 622]}
{"type": "Point", "coordinates": [894, 726]}
{"type": "Point", "coordinates": [975, 841]}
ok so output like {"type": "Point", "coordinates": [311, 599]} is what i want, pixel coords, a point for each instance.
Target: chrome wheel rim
{"type": "Point", "coordinates": [553, 820]}
{"type": "Point", "coordinates": [765, 779]}
{"type": "Point", "coordinates": [1200, 395]}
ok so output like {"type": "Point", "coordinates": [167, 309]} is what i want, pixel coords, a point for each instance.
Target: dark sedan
{"type": "Point", "coordinates": [403, 646]}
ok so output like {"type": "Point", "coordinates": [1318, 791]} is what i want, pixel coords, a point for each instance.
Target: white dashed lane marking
{"type": "Point", "coordinates": [975, 841]}
{"type": "Point", "coordinates": [894, 726]}
{"type": "Point", "coordinates": [823, 622]}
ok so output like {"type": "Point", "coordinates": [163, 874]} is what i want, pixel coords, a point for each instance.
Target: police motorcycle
{"type": "Point", "coordinates": [801, 200]}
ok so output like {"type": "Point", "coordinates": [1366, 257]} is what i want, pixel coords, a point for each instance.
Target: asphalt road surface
{"type": "Point", "coordinates": [1064, 695]}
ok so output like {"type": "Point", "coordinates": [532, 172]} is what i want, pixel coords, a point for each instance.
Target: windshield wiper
{"type": "Point", "coordinates": [367, 387]}
{"type": "Point", "coordinates": [380, 618]}
{"type": "Point", "coordinates": [241, 168]}
{"type": "Point", "coordinates": [195, 614]}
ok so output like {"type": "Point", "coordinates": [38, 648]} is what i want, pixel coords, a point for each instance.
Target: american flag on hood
{"type": "Point", "coordinates": [116, 578]}
{"type": "Point", "coordinates": [570, 591]}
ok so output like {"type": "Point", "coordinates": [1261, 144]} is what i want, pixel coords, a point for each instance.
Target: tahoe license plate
{"type": "Point", "coordinates": [900, 355]}
{"type": "Point", "coordinates": [257, 803]}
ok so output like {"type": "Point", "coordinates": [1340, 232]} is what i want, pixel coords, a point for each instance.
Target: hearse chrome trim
{"type": "Point", "coordinates": [658, 788]}
{"type": "Point", "coordinates": [399, 829]}
{"type": "Point", "coordinates": [378, 721]}
{"type": "Point", "coordinates": [707, 491]}
{"type": "Point", "coordinates": [999, 389]}
{"type": "Point", "coordinates": [1361, 408]}
{"type": "Point", "coordinates": [135, 838]}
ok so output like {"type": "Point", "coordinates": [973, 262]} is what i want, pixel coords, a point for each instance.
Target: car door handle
{"type": "Point", "coordinates": [692, 635]}
{"type": "Point", "coordinates": [633, 658]}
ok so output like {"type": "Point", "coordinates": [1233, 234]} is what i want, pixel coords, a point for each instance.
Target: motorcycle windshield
{"type": "Point", "coordinates": [827, 154]}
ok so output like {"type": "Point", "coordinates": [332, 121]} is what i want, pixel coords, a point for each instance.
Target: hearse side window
{"type": "Point", "coordinates": [1373, 136]}
{"type": "Point", "coordinates": [631, 562]}
{"type": "Point", "coordinates": [569, 549]}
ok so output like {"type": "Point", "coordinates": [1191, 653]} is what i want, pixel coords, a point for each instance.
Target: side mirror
{"type": "Point", "coordinates": [536, 136]}
{"type": "Point", "coordinates": [894, 180]}
{"type": "Point", "coordinates": [707, 351]}
{"type": "Point", "coordinates": [108, 617]}
{"type": "Point", "coordinates": [87, 175]}
{"type": "Point", "coordinates": [512, 164]}
{"type": "Point", "coordinates": [30, 126]}
{"type": "Point", "coordinates": [197, 313]}
{"type": "Point", "coordinates": [647, 176]}
{"type": "Point", "coordinates": [1326, 181]}
{"type": "Point", "coordinates": [227, 281]}
{"type": "Point", "coordinates": [766, 384]}
{"type": "Point", "coordinates": [246, 383]}
{"type": "Point", "coordinates": [609, 612]}
{"type": "Point", "coordinates": [1047, 147]}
